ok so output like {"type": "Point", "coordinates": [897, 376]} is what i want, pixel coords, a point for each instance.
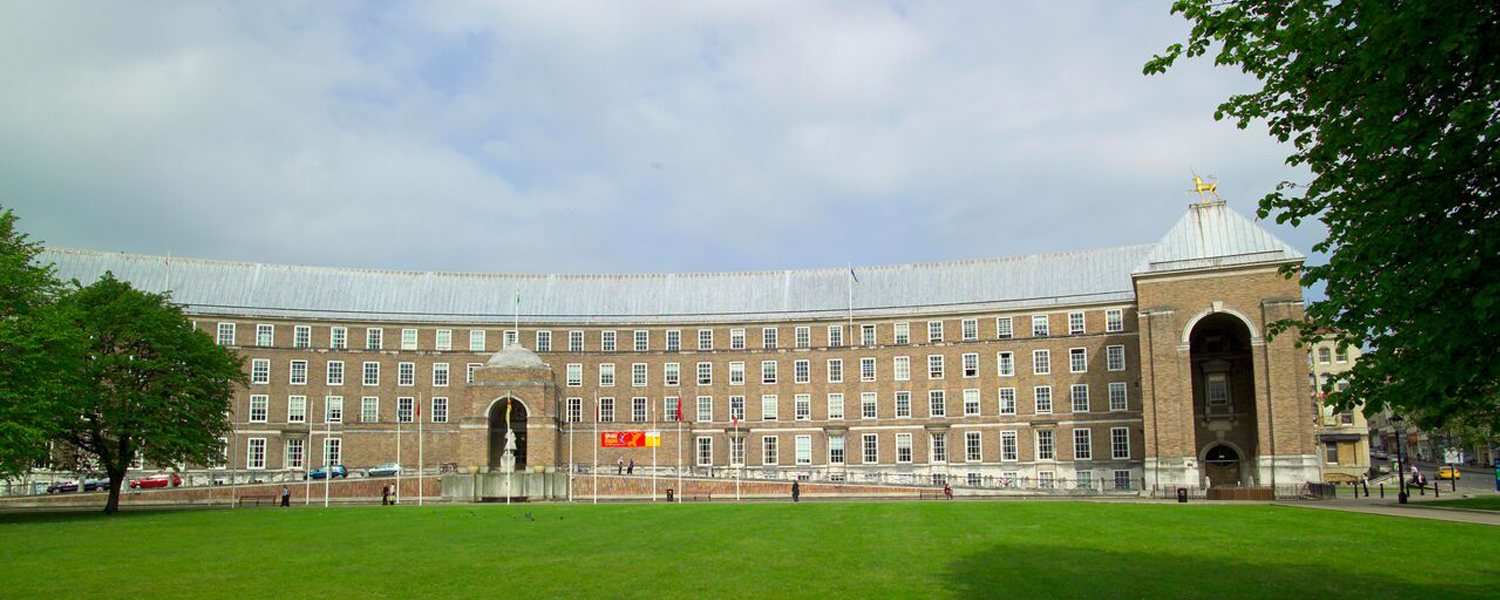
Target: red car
{"type": "Point", "coordinates": [159, 480]}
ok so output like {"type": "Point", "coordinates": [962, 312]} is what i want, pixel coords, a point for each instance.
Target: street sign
{"type": "Point", "coordinates": [1453, 456]}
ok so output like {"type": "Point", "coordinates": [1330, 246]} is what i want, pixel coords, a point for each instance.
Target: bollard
{"type": "Point", "coordinates": [1437, 491]}
{"type": "Point", "coordinates": [1382, 490]}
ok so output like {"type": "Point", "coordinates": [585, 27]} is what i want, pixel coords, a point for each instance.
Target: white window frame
{"type": "Point", "coordinates": [802, 336]}
{"type": "Point", "coordinates": [1119, 443]}
{"type": "Point", "coordinates": [295, 459]}
{"type": "Point", "coordinates": [408, 339]}
{"type": "Point", "coordinates": [770, 451]}
{"type": "Point", "coordinates": [1119, 396]}
{"type": "Point", "coordinates": [606, 374]}
{"type": "Point", "coordinates": [1078, 360]}
{"type": "Point", "coordinates": [255, 453]}
{"type": "Point", "coordinates": [973, 447]}
{"type": "Point", "coordinates": [576, 340]}
{"type": "Point", "coordinates": [338, 338]}
{"type": "Point", "coordinates": [1010, 446]}
{"type": "Point", "coordinates": [260, 408]}
{"type": "Point", "coordinates": [903, 448]}
{"type": "Point", "coordinates": [935, 367]}
{"type": "Point", "coordinates": [901, 368]}
{"type": "Point", "coordinates": [478, 338]}
{"type": "Point", "coordinates": [969, 363]}
{"type": "Point", "coordinates": [937, 403]}
{"type": "Point", "coordinates": [1114, 320]}
{"type": "Point", "coordinates": [443, 339]}
{"type": "Point", "coordinates": [334, 372]}
{"type": "Point", "coordinates": [870, 448]}
{"type": "Point", "coordinates": [1114, 357]}
{"type": "Point", "coordinates": [1048, 450]}
{"type": "Point", "coordinates": [769, 338]}
{"type": "Point", "coordinates": [803, 448]}
{"type": "Point", "coordinates": [608, 341]}
{"type": "Point", "coordinates": [768, 371]}
{"type": "Point", "coordinates": [1078, 396]}
{"type": "Point", "coordinates": [674, 340]}
{"type": "Point", "coordinates": [1006, 399]}
{"type": "Point", "coordinates": [972, 403]}
{"type": "Point", "coordinates": [224, 334]}
{"type": "Point", "coordinates": [260, 371]}
{"type": "Point", "coordinates": [671, 374]}
{"type": "Point", "coordinates": [934, 332]}
{"type": "Point", "coordinates": [836, 449]}
{"type": "Point", "coordinates": [297, 372]}
{"type": "Point", "coordinates": [301, 336]}
{"type": "Point", "coordinates": [704, 373]}
{"type": "Point", "coordinates": [868, 335]}
{"type": "Point", "coordinates": [369, 409]}
{"type": "Point", "coordinates": [969, 329]}
{"type": "Point", "coordinates": [1042, 401]}
{"type": "Point", "coordinates": [439, 412]}
{"type": "Point", "coordinates": [903, 404]}
{"type": "Point", "coordinates": [835, 336]}
{"type": "Point", "coordinates": [265, 335]}
{"type": "Point", "coordinates": [802, 371]}
{"type": "Point", "coordinates": [441, 374]}
{"type": "Point", "coordinates": [333, 409]}
{"type": "Point", "coordinates": [835, 406]}
{"type": "Point", "coordinates": [736, 373]}
{"type": "Point", "coordinates": [1041, 326]}
{"type": "Point", "coordinates": [574, 374]}
{"type": "Point", "coordinates": [1004, 328]}
{"type": "Point", "coordinates": [770, 407]}
{"type": "Point", "coordinates": [705, 339]}
{"type": "Point", "coordinates": [705, 447]}
{"type": "Point", "coordinates": [1083, 439]}
{"type": "Point", "coordinates": [1077, 323]}
{"type": "Point", "coordinates": [1041, 362]}
{"type": "Point", "coordinates": [642, 340]}
{"type": "Point", "coordinates": [296, 408]}
{"type": "Point", "coordinates": [867, 369]}
{"type": "Point", "coordinates": [737, 339]}
{"type": "Point", "coordinates": [406, 374]}
{"type": "Point", "coordinates": [640, 374]}
{"type": "Point", "coordinates": [869, 405]}
{"type": "Point", "coordinates": [835, 370]}
{"type": "Point", "coordinates": [370, 373]}
{"type": "Point", "coordinates": [701, 415]}
{"type": "Point", "coordinates": [901, 334]}
{"type": "Point", "coordinates": [374, 338]}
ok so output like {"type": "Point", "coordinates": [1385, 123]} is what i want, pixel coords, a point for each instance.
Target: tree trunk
{"type": "Point", "coordinates": [116, 480]}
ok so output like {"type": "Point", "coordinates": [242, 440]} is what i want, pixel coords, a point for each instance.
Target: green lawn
{"type": "Point", "coordinates": [1481, 502]}
{"type": "Point", "coordinates": [822, 550]}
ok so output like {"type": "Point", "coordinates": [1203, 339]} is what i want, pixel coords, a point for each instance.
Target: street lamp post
{"type": "Point", "coordinates": [1400, 458]}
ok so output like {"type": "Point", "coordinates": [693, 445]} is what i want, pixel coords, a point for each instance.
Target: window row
{"type": "Point", "coordinates": [297, 409]}
{"type": "Point", "coordinates": [903, 450]}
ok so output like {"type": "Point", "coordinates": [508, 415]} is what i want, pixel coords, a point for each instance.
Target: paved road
{"type": "Point", "coordinates": [1472, 480]}
{"type": "Point", "coordinates": [1388, 508]}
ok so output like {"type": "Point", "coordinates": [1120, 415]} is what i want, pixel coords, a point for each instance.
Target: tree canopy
{"type": "Point", "coordinates": [1392, 105]}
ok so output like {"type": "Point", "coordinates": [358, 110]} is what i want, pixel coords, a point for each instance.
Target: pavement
{"type": "Point", "coordinates": [1391, 508]}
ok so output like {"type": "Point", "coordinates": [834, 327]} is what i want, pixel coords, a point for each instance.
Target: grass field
{"type": "Point", "coordinates": [824, 550]}
{"type": "Point", "coordinates": [1481, 503]}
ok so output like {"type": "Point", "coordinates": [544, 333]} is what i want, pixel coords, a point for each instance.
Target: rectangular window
{"type": "Point", "coordinates": [333, 409]}
{"type": "Point", "coordinates": [260, 405]}
{"type": "Point", "coordinates": [903, 404]}
{"type": "Point", "coordinates": [768, 454]}
{"type": "Point", "coordinates": [835, 370]}
{"type": "Point", "coordinates": [406, 374]}
{"type": "Point", "coordinates": [1039, 326]}
{"type": "Point", "coordinates": [802, 371]}
{"type": "Point", "coordinates": [736, 373]}
{"type": "Point", "coordinates": [736, 408]}
{"type": "Point", "coordinates": [836, 449]}
{"type": "Point", "coordinates": [338, 338]}
{"type": "Point", "coordinates": [607, 341]}
{"type": "Point", "coordinates": [439, 374]}
{"type": "Point", "coordinates": [970, 365]}
{"type": "Point", "coordinates": [335, 372]}
{"type": "Point", "coordinates": [670, 407]}
{"type": "Point", "coordinates": [371, 373]}
{"type": "Point", "coordinates": [408, 339]}
{"type": "Point", "coordinates": [705, 412]}
{"type": "Point", "coordinates": [1009, 450]}
{"type": "Point", "coordinates": [439, 410]}
{"type": "Point", "coordinates": [294, 452]}
{"type": "Point", "coordinates": [1044, 448]}
{"type": "Point", "coordinates": [901, 368]}
{"type": "Point", "coordinates": [575, 410]}
{"type": "Point", "coordinates": [1078, 360]}
{"type": "Point", "coordinates": [298, 373]}
{"type": "Point", "coordinates": [1002, 327]}
{"type": "Point", "coordinates": [705, 339]}
{"type": "Point", "coordinates": [296, 409]}
{"type": "Point", "coordinates": [369, 409]}
{"type": "Point", "coordinates": [265, 335]}
{"type": "Point", "coordinates": [226, 335]}
{"type": "Point", "coordinates": [935, 366]}
{"type": "Point", "coordinates": [737, 339]}
{"type": "Point", "coordinates": [606, 374]}
{"type": "Point", "coordinates": [903, 448]}
{"type": "Point", "coordinates": [469, 372]}
{"type": "Point", "coordinates": [1080, 395]}
{"type": "Point", "coordinates": [476, 340]}
{"type": "Point", "coordinates": [768, 338]}
{"type": "Point", "coordinates": [1007, 401]}
{"type": "Point", "coordinates": [973, 450]}
{"type": "Point", "coordinates": [705, 373]}
{"type": "Point", "coordinates": [937, 403]}
{"type": "Point", "coordinates": [575, 341]}
{"type": "Point", "coordinates": [1075, 323]}
{"type": "Point", "coordinates": [638, 408]}
{"type": "Point", "coordinates": [1005, 363]}
{"type": "Point", "coordinates": [1114, 358]}
{"type": "Point", "coordinates": [404, 406]}
{"type": "Point", "coordinates": [867, 335]}
{"type": "Point", "coordinates": [671, 374]}
{"type": "Point", "coordinates": [1114, 320]}
{"type": "Point", "coordinates": [802, 336]}
{"type": "Point", "coordinates": [333, 451]}
{"type": "Point", "coordinates": [1083, 444]}
{"type": "Point", "coordinates": [255, 454]}
{"type": "Point", "coordinates": [1041, 362]}
{"type": "Point", "coordinates": [835, 336]}
{"type": "Point", "coordinates": [302, 336]}
{"type": "Point", "coordinates": [544, 341]}
{"type": "Point", "coordinates": [705, 451]}
{"type": "Point", "coordinates": [575, 374]}
{"type": "Point", "coordinates": [804, 449]}
{"type": "Point", "coordinates": [374, 338]}
{"type": "Point", "coordinates": [868, 405]}
{"type": "Point", "coordinates": [871, 448]}
{"type": "Point", "coordinates": [903, 334]}
{"type": "Point", "coordinates": [1119, 443]}
{"type": "Point", "coordinates": [768, 371]}
{"type": "Point", "coordinates": [1117, 399]}
{"type": "Point", "coordinates": [867, 369]}
{"type": "Point", "coordinates": [674, 340]}
{"type": "Point", "coordinates": [606, 410]}
{"type": "Point", "coordinates": [769, 407]}
{"type": "Point", "coordinates": [1043, 396]}
{"type": "Point", "coordinates": [970, 329]}
{"type": "Point", "coordinates": [939, 448]}
{"type": "Point", "coordinates": [971, 403]}
{"type": "Point", "coordinates": [638, 375]}
{"type": "Point", "coordinates": [260, 370]}
{"type": "Point", "coordinates": [934, 331]}
{"type": "Point", "coordinates": [835, 406]}
{"type": "Point", "coordinates": [1122, 479]}
{"type": "Point", "coordinates": [642, 340]}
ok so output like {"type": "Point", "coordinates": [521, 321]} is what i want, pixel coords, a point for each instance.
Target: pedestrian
{"type": "Point", "coordinates": [385, 495]}
{"type": "Point", "coordinates": [620, 466]}
{"type": "Point", "coordinates": [630, 468]}
{"type": "Point", "coordinates": [286, 496]}
{"type": "Point", "coordinates": [796, 491]}
{"type": "Point", "coordinates": [947, 491]}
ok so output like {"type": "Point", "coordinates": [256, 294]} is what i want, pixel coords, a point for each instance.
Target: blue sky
{"type": "Point", "coordinates": [611, 136]}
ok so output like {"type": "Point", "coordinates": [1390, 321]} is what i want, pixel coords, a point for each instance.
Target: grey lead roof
{"type": "Point", "coordinates": [272, 290]}
{"type": "Point", "coordinates": [1213, 235]}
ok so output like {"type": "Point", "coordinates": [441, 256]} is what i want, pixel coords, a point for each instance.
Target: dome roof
{"type": "Point", "coordinates": [516, 356]}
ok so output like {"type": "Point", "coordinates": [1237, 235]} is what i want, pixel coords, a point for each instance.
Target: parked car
{"type": "Point", "coordinates": [338, 472]}
{"type": "Point", "coordinates": [1448, 472]}
{"type": "Point", "coordinates": [1381, 454]}
{"type": "Point", "coordinates": [89, 485]}
{"type": "Point", "coordinates": [159, 480]}
{"type": "Point", "coordinates": [389, 469]}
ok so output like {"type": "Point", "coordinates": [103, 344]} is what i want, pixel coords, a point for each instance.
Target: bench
{"type": "Point", "coordinates": [269, 499]}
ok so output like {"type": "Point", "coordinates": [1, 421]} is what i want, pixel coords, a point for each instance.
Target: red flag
{"type": "Point", "coordinates": [679, 408]}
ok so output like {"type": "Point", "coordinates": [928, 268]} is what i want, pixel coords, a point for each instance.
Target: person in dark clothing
{"type": "Point", "coordinates": [796, 492]}
{"type": "Point", "coordinates": [630, 468]}
{"type": "Point", "coordinates": [286, 496]}
{"type": "Point", "coordinates": [385, 495]}
{"type": "Point", "coordinates": [948, 491]}
{"type": "Point", "coordinates": [620, 466]}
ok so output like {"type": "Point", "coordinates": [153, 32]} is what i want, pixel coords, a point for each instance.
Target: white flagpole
{"type": "Point", "coordinates": [653, 470]}
{"type": "Point", "coordinates": [307, 470]}
{"type": "Point", "coordinates": [740, 472]}
{"type": "Point", "coordinates": [398, 452]}
{"type": "Point", "coordinates": [679, 444]}
{"type": "Point", "coordinates": [850, 283]}
{"type": "Point", "coordinates": [327, 462]}
{"type": "Point", "coordinates": [595, 444]}
{"type": "Point", "coordinates": [571, 425]}
{"type": "Point", "coordinates": [420, 482]}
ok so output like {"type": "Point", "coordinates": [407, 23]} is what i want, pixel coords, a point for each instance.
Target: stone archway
{"type": "Point", "coordinates": [1224, 397]}
{"type": "Point", "coordinates": [1221, 464]}
{"type": "Point", "coordinates": [498, 427]}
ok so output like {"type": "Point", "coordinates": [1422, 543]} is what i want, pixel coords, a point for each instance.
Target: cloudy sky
{"type": "Point", "coordinates": [610, 136]}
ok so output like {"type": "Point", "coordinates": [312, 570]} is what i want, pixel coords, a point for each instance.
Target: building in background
{"type": "Point", "coordinates": [1343, 436]}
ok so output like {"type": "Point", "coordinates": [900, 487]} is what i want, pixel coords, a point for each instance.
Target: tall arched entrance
{"type": "Point", "coordinates": [498, 427]}
{"type": "Point", "coordinates": [1224, 404]}
{"type": "Point", "coordinates": [1221, 464]}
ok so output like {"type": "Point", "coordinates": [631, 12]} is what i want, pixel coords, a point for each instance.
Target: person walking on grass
{"type": "Point", "coordinates": [286, 496]}
{"type": "Point", "coordinates": [620, 466]}
{"type": "Point", "coordinates": [796, 492]}
{"type": "Point", "coordinates": [630, 468]}
{"type": "Point", "coordinates": [947, 491]}
{"type": "Point", "coordinates": [385, 495]}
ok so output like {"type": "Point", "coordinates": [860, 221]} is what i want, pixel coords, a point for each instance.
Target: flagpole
{"type": "Point", "coordinates": [653, 470]}
{"type": "Point", "coordinates": [571, 425]}
{"type": "Point", "coordinates": [398, 452]}
{"type": "Point", "coordinates": [740, 472]}
{"type": "Point", "coordinates": [850, 285]}
{"type": "Point", "coordinates": [307, 467]}
{"type": "Point", "coordinates": [595, 444]}
{"type": "Point", "coordinates": [327, 462]}
{"type": "Point", "coordinates": [679, 444]}
{"type": "Point", "coordinates": [421, 483]}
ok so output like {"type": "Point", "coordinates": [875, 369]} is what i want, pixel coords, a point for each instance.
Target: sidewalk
{"type": "Point", "coordinates": [1391, 508]}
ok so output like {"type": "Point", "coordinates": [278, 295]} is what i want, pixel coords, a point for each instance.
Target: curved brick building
{"type": "Point", "coordinates": [1111, 368]}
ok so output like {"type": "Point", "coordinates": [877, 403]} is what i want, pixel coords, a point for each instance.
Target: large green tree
{"type": "Point", "coordinates": [153, 385]}
{"type": "Point", "coordinates": [1392, 105]}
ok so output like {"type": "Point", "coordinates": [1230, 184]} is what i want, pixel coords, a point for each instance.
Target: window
{"type": "Point", "coordinates": [705, 412]}
{"type": "Point", "coordinates": [901, 370]}
{"type": "Point", "coordinates": [338, 338]}
{"type": "Point", "coordinates": [1080, 396]}
{"type": "Point", "coordinates": [606, 410]}
{"type": "Point", "coordinates": [871, 448]}
{"type": "Point", "coordinates": [298, 373]}
{"type": "Point", "coordinates": [939, 448]}
{"type": "Point", "coordinates": [543, 341]}
{"type": "Point", "coordinates": [802, 336]}
{"type": "Point", "coordinates": [255, 454]}
{"type": "Point", "coordinates": [768, 338]}
{"type": "Point", "coordinates": [439, 374]}
{"type": "Point", "coordinates": [674, 340]}
{"type": "Point", "coordinates": [476, 340]}
{"type": "Point", "coordinates": [705, 451]}
{"type": "Point", "coordinates": [973, 451]}
{"type": "Point", "coordinates": [374, 338]}
{"type": "Point", "coordinates": [1041, 362]}
{"type": "Point", "coordinates": [1114, 320]}
{"type": "Point", "coordinates": [935, 366]}
{"type": "Point", "coordinates": [439, 410]}
{"type": "Point", "coordinates": [971, 365]}
{"type": "Point", "coordinates": [1039, 326]}
{"type": "Point", "coordinates": [1117, 399]}
{"type": "Point", "coordinates": [575, 374]}
{"type": "Point", "coordinates": [1331, 454]}
{"type": "Point", "coordinates": [705, 339]}
{"type": "Point", "coordinates": [1043, 396]}
{"type": "Point", "coordinates": [1078, 360]}
{"type": "Point", "coordinates": [575, 410]}
{"type": "Point", "coordinates": [371, 373]}
{"type": "Point", "coordinates": [265, 335]}
{"type": "Point", "coordinates": [835, 370]}
{"type": "Point", "coordinates": [804, 449]}
{"type": "Point", "coordinates": [638, 409]}
{"type": "Point", "coordinates": [1114, 358]}
{"type": "Point", "coordinates": [970, 329]}
{"type": "Point", "coordinates": [302, 336]}
{"type": "Point", "coordinates": [736, 408]}
{"type": "Point", "coordinates": [736, 373]}
{"type": "Point", "coordinates": [260, 370]}
{"type": "Point", "coordinates": [1119, 443]}
{"type": "Point", "coordinates": [737, 339]}
{"type": "Point", "coordinates": [575, 341]}
{"type": "Point", "coordinates": [937, 403]}
{"type": "Point", "coordinates": [768, 371]}
{"type": "Point", "coordinates": [1217, 388]}
{"type": "Point", "coordinates": [1085, 480]}
{"type": "Point", "coordinates": [1075, 323]}
{"type": "Point", "coordinates": [333, 451]}
{"type": "Point", "coordinates": [1122, 479]}
{"type": "Point", "coordinates": [971, 403]}
{"type": "Point", "coordinates": [333, 409]}
{"type": "Point", "coordinates": [642, 340]}
{"type": "Point", "coordinates": [867, 335]}
{"type": "Point", "coordinates": [404, 406]}
{"type": "Point", "coordinates": [934, 331]}
{"type": "Point", "coordinates": [835, 406]}
{"type": "Point", "coordinates": [294, 453]}
{"type": "Point", "coordinates": [1009, 450]}
{"type": "Point", "coordinates": [226, 334]}
{"type": "Point", "coordinates": [835, 336]}
{"type": "Point", "coordinates": [671, 374]}
{"type": "Point", "coordinates": [638, 376]}
{"type": "Point", "coordinates": [408, 339]}
{"type": "Point", "coordinates": [868, 405]}
{"type": "Point", "coordinates": [1044, 448]}
{"type": "Point", "coordinates": [1007, 401]}
{"type": "Point", "coordinates": [768, 454]}
{"type": "Point", "coordinates": [769, 406]}
{"type": "Point", "coordinates": [671, 407]}
{"type": "Point", "coordinates": [903, 404]}
{"type": "Point", "coordinates": [705, 373]}
{"type": "Point", "coordinates": [1083, 444]}
{"type": "Point", "coordinates": [1005, 363]}
{"type": "Point", "coordinates": [1002, 327]}
{"type": "Point", "coordinates": [903, 448]}
{"type": "Point", "coordinates": [335, 372]}
{"type": "Point", "coordinates": [296, 409]}
{"type": "Point", "coordinates": [1341, 356]}
{"type": "Point", "coordinates": [606, 374]}
{"type": "Point", "coordinates": [260, 405]}
{"type": "Point", "coordinates": [369, 409]}
{"type": "Point", "coordinates": [836, 449]}
{"type": "Point", "coordinates": [406, 374]}
{"type": "Point", "coordinates": [607, 341]}
{"type": "Point", "coordinates": [867, 369]}
{"type": "Point", "coordinates": [1325, 355]}
{"type": "Point", "coordinates": [902, 333]}
{"type": "Point", "coordinates": [802, 371]}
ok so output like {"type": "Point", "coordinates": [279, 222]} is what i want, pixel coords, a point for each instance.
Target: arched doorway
{"type": "Point", "coordinates": [1222, 466]}
{"type": "Point", "coordinates": [1224, 397]}
{"type": "Point", "coordinates": [517, 424]}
